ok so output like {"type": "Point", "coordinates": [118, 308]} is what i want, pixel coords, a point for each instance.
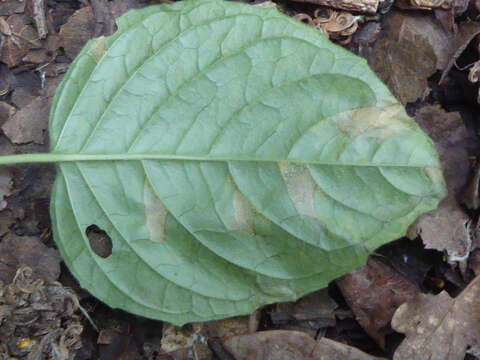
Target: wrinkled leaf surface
{"type": "Point", "coordinates": [237, 158]}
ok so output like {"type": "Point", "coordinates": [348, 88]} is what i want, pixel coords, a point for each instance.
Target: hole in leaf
{"type": "Point", "coordinates": [99, 240]}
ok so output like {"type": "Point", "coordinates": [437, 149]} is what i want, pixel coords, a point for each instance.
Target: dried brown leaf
{"type": "Point", "coordinates": [446, 227]}
{"type": "Point", "coordinates": [11, 7]}
{"type": "Point", "coordinates": [30, 123]}
{"type": "Point", "coordinates": [465, 34]}
{"type": "Point", "coordinates": [6, 111]}
{"type": "Point", "coordinates": [289, 345]}
{"type": "Point", "coordinates": [17, 251]}
{"type": "Point", "coordinates": [79, 28]}
{"type": "Point", "coordinates": [374, 292]}
{"type": "Point", "coordinates": [410, 49]}
{"type": "Point", "coordinates": [438, 327]}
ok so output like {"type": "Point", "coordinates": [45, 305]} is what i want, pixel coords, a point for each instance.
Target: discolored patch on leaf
{"type": "Point", "coordinates": [300, 186]}
{"type": "Point", "coordinates": [97, 48]}
{"type": "Point", "coordinates": [244, 213]}
{"type": "Point", "coordinates": [383, 123]}
{"type": "Point", "coordinates": [156, 214]}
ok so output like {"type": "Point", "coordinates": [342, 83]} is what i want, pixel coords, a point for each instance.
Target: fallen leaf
{"type": "Point", "coordinates": [30, 123]}
{"type": "Point", "coordinates": [11, 7]}
{"type": "Point", "coordinates": [17, 251]}
{"type": "Point", "coordinates": [446, 227]}
{"type": "Point", "coordinates": [6, 111]}
{"type": "Point", "coordinates": [238, 325]}
{"type": "Point", "coordinates": [6, 220]}
{"type": "Point", "coordinates": [105, 13]}
{"type": "Point", "coordinates": [438, 327]}
{"type": "Point", "coordinates": [6, 186]}
{"type": "Point", "coordinates": [290, 345]}
{"type": "Point", "coordinates": [77, 31]}
{"type": "Point", "coordinates": [405, 57]}
{"type": "Point", "coordinates": [315, 306]}
{"type": "Point", "coordinates": [19, 37]}
{"type": "Point", "coordinates": [309, 314]}
{"type": "Point", "coordinates": [374, 292]}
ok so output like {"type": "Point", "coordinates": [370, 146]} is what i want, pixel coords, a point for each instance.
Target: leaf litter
{"type": "Point", "coordinates": [438, 50]}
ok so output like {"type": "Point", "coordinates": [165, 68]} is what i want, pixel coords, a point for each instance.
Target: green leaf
{"type": "Point", "coordinates": [234, 156]}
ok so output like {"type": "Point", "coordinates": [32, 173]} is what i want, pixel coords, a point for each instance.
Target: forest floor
{"type": "Point", "coordinates": [428, 54]}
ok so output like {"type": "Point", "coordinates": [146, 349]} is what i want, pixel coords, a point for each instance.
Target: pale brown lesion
{"type": "Point", "coordinates": [155, 213]}
{"type": "Point", "coordinates": [98, 48]}
{"type": "Point", "coordinates": [300, 187]}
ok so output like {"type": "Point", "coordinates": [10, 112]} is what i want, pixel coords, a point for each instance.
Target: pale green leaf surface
{"type": "Point", "coordinates": [255, 161]}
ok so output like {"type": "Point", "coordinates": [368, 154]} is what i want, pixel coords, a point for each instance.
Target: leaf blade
{"type": "Point", "coordinates": [241, 159]}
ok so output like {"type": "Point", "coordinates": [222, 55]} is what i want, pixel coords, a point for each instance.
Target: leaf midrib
{"type": "Point", "coordinates": [55, 157]}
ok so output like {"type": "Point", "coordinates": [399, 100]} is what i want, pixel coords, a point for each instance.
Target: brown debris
{"type": "Point", "coordinates": [337, 25]}
{"type": "Point", "coordinates": [309, 314]}
{"type": "Point", "coordinates": [290, 345]}
{"type": "Point", "coordinates": [467, 31]}
{"type": "Point", "coordinates": [6, 186]}
{"type": "Point", "coordinates": [17, 251]}
{"type": "Point", "coordinates": [38, 11]}
{"type": "Point", "coordinates": [18, 38]}
{"type": "Point", "coordinates": [38, 319]}
{"type": "Point", "coordinates": [177, 342]}
{"type": "Point", "coordinates": [374, 292]}
{"type": "Point", "coordinates": [439, 327]}
{"type": "Point", "coordinates": [77, 31]}
{"type": "Point", "coordinates": [6, 111]}
{"type": "Point", "coordinates": [11, 7]}
{"type": "Point", "coordinates": [362, 6]}
{"type": "Point", "coordinates": [446, 228]}
{"type": "Point", "coordinates": [405, 56]}
{"type": "Point", "coordinates": [224, 328]}
{"type": "Point", "coordinates": [29, 124]}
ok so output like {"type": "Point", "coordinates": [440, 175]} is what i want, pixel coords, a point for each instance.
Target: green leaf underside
{"type": "Point", "coordinates": [282, 162]}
